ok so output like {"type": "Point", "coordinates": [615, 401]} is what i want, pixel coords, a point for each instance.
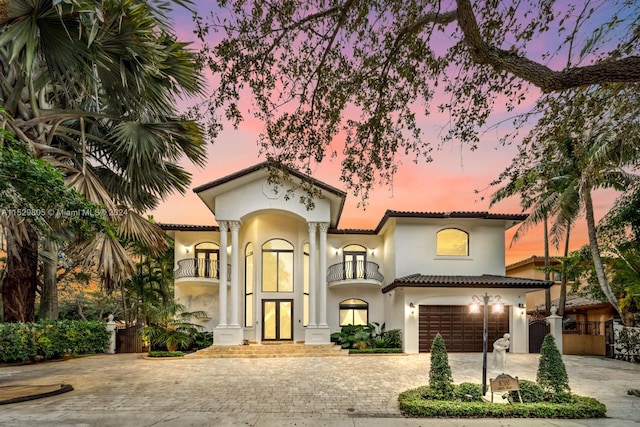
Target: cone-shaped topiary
{"type": "Point", "coordinates": [552, 374]}
{"type": "Point", "coordinates": [440, 379]}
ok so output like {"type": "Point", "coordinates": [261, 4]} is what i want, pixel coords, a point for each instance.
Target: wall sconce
{"type": "Point", "coordinates": [413, 308]}
{"type": "Point", "coordinates": [373, 252]}
{"type": "Point", "coordinates": [187, 249]}
{"type": "Point", "coordinates": [521, 305]}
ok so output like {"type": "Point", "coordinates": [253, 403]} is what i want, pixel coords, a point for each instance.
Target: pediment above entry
{"type": "Point", "coordinates": [250, 190]}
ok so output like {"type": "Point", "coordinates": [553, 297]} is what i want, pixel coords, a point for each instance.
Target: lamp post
{"type": "Point", "coordinates": [474, 307]}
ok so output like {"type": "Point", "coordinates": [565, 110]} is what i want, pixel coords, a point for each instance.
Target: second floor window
{"type": "Point", "coordinates": [452, 242]}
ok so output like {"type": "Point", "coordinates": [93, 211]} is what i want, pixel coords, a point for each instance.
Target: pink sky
{"type": "Point", "coordinates": [446, 184]}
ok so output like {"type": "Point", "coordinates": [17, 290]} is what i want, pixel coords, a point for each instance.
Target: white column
{"type": "Point", "coordinates": [312, 273]}
{"type": "Point", "coordinates": [235, 226]}
{"type": "Point", "coordinates": [223, 274]}
{"type": "Point", "coordinates": [324, 226]}
{"type": "Point", "coordinates": [555, 327]}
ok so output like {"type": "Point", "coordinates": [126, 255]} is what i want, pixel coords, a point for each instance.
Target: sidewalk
{"type": "Point", "coordinates": [126, 390]}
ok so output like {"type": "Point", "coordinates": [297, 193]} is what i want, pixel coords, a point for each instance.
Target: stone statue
{"type": "Point", "coordinates": [500, 347]}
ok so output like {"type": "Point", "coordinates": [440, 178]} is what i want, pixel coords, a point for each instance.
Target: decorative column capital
{"type": "Point", "coordinates": [312, 226]}
{"type": "Point", "coordinates": [223, 226]}
{"type": "Point", "coordinates": [234, 225]}
{"type": "Point", "coordinates": [324, 226]}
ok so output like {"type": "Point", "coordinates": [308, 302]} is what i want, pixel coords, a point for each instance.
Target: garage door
{"type": "Point", "coordinates": [461, 330]}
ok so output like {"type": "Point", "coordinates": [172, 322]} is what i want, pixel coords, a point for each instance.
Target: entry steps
{"type": "Point", "coordinates": [254, 350]}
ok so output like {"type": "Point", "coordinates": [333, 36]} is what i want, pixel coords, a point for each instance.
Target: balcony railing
{"type": "Point", "coordinates": [582, 328]}
{"type": "Point", "coordinates": [358, 270]}
{"type": "Point", "coordinates": [199, 267]}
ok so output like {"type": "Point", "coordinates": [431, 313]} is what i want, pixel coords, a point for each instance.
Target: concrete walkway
{"type": "Point", "coordinates": [127, 390]}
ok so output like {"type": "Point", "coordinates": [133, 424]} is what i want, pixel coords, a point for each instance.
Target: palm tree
{"type": "Point", "coordinates": [89, 86]}
{"type": "Point", "coordinates": [602, 155]}
{"type": "Point", "coordinates": [544, 178]}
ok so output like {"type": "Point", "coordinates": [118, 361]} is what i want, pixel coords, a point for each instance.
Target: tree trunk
{"type": "Point", "coordinates": [49, 294]}
{"type": "Point", "coordinates": [563, 276]}
{"type": "Point", "coordinates": [20, 280]}
{"type": "Point", "coordinates": [547, 265]}
{"type": "Point", "coordinates": [595, 251]}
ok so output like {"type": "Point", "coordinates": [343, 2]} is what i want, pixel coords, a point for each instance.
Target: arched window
{"type": "Point", "coordinates": [354, 312]}
{"type": "Point", "coordinates": [248, 285]}
{"type": "Point", "coordinates": [207, 256]}
{"type": "Point", "coordinates": [277, 266]}
{"type": "Point", "coordinates": [355, 260]}
{"type": "Point", "coordinates": [452, 242]}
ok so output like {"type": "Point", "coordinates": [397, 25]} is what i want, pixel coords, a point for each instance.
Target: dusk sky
{"type": "Point", "coordinates": [446, 184]}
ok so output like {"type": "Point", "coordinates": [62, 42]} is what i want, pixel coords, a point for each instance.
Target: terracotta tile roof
{"type": "Point", "coordinates": [481, 281]}
{"type": "Point", "coordinates": [454, 214]}
{"type": "Point", "coordinates": [188, 227]}
{"type": "Point", "coordinates": [265, 165]}
{"type": "Point", "coordinates": [572, 302]}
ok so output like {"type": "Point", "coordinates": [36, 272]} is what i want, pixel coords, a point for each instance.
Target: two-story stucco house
{"type": "Point", "coordinates": [274, 269]}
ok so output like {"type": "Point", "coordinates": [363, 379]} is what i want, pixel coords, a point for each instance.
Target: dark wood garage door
{"type": "Point", "coordinates": [461, 330]}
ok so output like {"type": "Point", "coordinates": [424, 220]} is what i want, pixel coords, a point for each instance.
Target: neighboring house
{"type": "Point", "coordinates": [273, 270]}
{"type": "Point", "coordinates": [533, 268]}
{"type": "Point", "coordinates": [584, 318]}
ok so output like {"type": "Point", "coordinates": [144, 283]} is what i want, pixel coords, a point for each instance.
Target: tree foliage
{"type": "Point", "coordinates": [369, 70]}
{"type": "Point", "coordinates": [90, 86]}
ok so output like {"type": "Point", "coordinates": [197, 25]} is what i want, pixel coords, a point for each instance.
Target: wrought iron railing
{"type": "Point", "coordinates": [582, 328]}
{"type": "Point", "coordinates": [354, 270]}
{"type": "Point", "coordinates": [199, 267]}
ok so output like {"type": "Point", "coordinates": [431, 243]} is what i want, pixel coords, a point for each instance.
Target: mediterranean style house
{"type": "Point", "coordinates": [276, 269]}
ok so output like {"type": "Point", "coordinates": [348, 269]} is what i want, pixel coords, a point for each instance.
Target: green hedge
{"type": "Point", "coordinates": [20, 342]}
{"type": "Point", "coordinates": [413, 403]}
{"type": "Point", "coordinates": [165, 354]}
{"type": "Point", "coordinates": [375, 351]}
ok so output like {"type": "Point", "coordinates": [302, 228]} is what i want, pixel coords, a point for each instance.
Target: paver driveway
{"type": "Point", "coordinates": [123, 390]}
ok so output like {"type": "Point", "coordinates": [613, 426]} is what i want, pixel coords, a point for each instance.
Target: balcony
{"type": "Point", "coordinates": [199, 271]}
{"type": "Point", "coordinates": [354, 273]}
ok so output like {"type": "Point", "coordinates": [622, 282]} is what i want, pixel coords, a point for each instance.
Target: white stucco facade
{"type": "Point", "coordinates": [275, 269]}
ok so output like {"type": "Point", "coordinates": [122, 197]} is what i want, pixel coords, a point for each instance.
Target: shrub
{"type": "Point", "coordinates": [552, 374]}
{"type": "Point", "coordinates": [17, 342]}
{"type": "Point", "coordinates": [440, 379]}
{"type": "Point", "coordinates": [634, 392]}
{"type": "Point", "coordinates": [201, 339]}
{"type": "Point", "coordinates": [393, 337]}
{"type": "Point", "coordinates": [20, 342]}
{"type": "Point", "coordinates": [530, 392]}
{"type": "Point", "coordinates": [469, 392]}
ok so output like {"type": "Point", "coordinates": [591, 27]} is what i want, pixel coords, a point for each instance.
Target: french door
{"type": "Point", "coordinates": [277, 324]}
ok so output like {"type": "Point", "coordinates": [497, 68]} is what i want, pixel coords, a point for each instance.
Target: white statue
{"type": "Point", "coordinates": [500, 347]}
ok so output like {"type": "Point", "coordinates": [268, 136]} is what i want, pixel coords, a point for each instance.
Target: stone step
{"type": "Point", "coordinates": [269, 350]}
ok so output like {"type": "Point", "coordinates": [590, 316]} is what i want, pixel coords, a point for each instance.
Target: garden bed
{"type": "Point", "coordinates": [416, 403]}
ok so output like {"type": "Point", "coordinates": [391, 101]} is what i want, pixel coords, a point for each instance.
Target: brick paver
{"type": "Point", "coordinates": [126, 390]}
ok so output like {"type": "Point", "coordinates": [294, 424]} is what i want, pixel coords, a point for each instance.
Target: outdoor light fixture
{"type": "Point", "coordinates": [187, 249]}
{"type": "Point", "coordinates": [521, 305]}
{"type": "Point", "coordinates": [413, 308]}
{"type": "Point", "coordinates": [497, 306]}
